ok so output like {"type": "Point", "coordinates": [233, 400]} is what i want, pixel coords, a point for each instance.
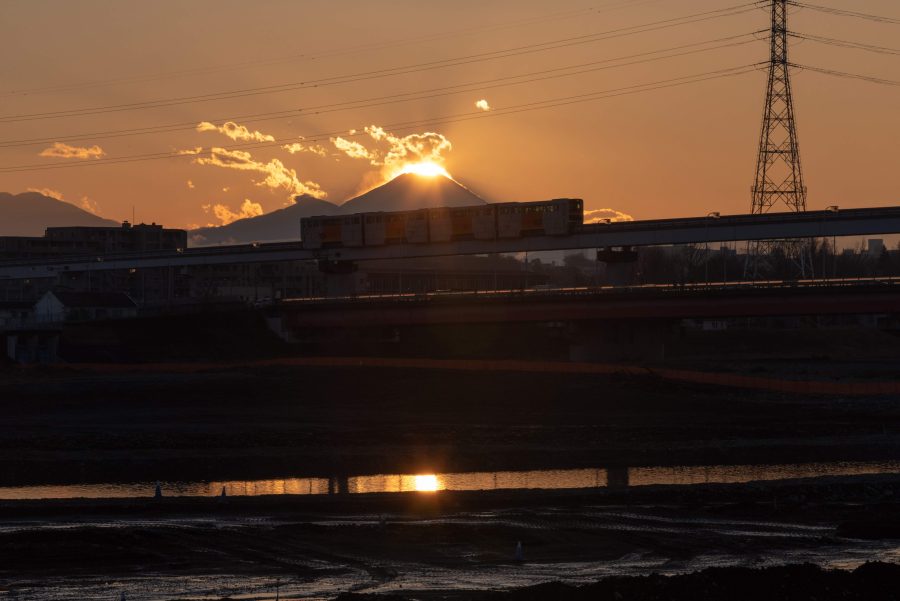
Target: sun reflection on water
{"type": "Point", "coordinates": [427, 483]}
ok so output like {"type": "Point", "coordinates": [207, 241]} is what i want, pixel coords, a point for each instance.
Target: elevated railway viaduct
{"type": "Point", "coordinates": [607, 323]}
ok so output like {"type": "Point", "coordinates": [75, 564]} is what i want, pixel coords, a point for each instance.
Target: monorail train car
{"type": "Point", "coordinates": [556, 217]}
{"type": "Point", "coordinates": [549, 218]}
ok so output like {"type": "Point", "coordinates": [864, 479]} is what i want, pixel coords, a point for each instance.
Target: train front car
{"type": "Point", "coordinates": [556, 217]}
{"type": "Point", "coordinates": [572, 212]}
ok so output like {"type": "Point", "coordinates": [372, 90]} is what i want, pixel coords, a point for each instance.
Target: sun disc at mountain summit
{"type": "Point", "coordinates": [424, 169]}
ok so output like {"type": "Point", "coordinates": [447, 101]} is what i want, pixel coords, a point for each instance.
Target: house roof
{"type": "Point", "coordinates": [110, 300]}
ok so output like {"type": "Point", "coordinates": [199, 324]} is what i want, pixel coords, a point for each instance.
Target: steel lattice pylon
{"type": "Point", "coordinates": [779, 177]}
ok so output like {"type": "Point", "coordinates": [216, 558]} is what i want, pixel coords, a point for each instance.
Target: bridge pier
{"type": "Point", "coordinates": [621, 264]}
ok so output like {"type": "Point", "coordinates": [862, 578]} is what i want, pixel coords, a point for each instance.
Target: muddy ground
{"type": "Point", "coordinates": [446, 545]}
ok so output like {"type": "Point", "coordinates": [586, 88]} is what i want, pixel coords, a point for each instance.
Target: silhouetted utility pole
{"type": "Point", "coordinates": [779, 177]}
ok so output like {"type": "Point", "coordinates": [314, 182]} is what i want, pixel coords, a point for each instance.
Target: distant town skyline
{"type": "Point", "coordinates": [190, 113]}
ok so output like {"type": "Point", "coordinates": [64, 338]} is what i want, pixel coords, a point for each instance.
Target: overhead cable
{"type": "Point", "coordinates": [389, 72]}
{"type": "Point", "coordinates": [413, 125]}
{"type": "Point", "coordinates": [493, 83]}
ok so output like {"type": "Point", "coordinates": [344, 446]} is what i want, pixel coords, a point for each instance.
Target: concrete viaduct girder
{"type": "Point", "coordinates": [695, 230]}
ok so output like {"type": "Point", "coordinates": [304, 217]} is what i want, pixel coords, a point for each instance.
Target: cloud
{"type": "Point", "coordinates": [47, 192]}
{"type": "Point", "coordinates": [598, 215]}
{"type": "Point", "coordinates": [89, 205]}
{"type": "Point", "coordinates": [482, 105]}
{"type": "Point", "coordinates": [190, 185]}
{"type": "Point", "coordinates": [190, 151]}
{"type": "Point", "coordinates": [224, 214]}
{"type": "Point", "coordinates": [60, 150]}
{"type": "Point", "coordinates": [415, 148]}
{"type": "Point", "coordinates": [355, 150]}
{"type": "Point", "coordinates": [277, 176]}
{"type": "Point", "coordinates": [298, 147]}
{"type": "Point", "coordinates": [235, 132]}
{"type": "Point", "coordinates": [396, 152]}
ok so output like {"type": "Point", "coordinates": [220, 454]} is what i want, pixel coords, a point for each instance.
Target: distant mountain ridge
{"type": "Point", "coordinates": [404, 192]}
{"type": "Point", "coordinates": [280, 225]}
{"type": "Point", "coordinates": [409, 191]}
{"type": "Point", "coordinates": [30, 213]}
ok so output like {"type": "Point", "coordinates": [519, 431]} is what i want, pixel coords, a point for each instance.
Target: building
{"type": "Point", "coordinates": [63, 306]}
{"type": "Point", "coordinates": [146, 286]}
{"type": "Point", "coordinates": [61, 241]}
{"type": "Point", "coordinates": [126, 239]}
{"type": "Point", "coordinates": [876, 247]}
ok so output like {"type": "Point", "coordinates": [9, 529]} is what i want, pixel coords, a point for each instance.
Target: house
{"type": "Point", "coordinates": [60, 306]}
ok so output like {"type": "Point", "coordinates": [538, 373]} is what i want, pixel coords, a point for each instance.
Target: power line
{"type": "Point", "coordinates": [408, 69]}
{"type": "Point", "coordinates": [846, 13]}
{"type": "Point", "coordinates": [542, 75]}
{"type": "Point", "coordinates": [845, 43]}
{"type": "Point", "coordinates": [845, 75]}
{"type": "Point", "coordinates": [412, 125]}
{"type": "Point", "coordinates": [549, 17]}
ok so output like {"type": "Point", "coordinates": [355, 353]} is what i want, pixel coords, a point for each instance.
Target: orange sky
{"type": "Point", "coordinates": [678, 151]}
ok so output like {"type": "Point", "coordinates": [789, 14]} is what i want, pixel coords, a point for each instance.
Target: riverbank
{"type": "Point", "coordinates": [445, 545]}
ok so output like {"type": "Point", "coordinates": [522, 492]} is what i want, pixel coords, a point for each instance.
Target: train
{"type": "Point", "coordinates": [557, 217]}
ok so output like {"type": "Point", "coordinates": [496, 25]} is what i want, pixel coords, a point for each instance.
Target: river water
{"type": "Point", "coordinates": [472, 481]}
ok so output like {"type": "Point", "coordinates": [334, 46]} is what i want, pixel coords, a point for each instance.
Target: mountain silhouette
{"type": "Point", "coordinates": [30, 213]}
{"type": "Point", "coordinates": [280, 225]}
{"type": "Point", "coordinates": [409, 191]}
{"type": "Point", "coordinates": [404, 192]}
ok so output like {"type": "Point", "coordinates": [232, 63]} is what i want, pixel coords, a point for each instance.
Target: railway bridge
{"type": "Point", "coordinates": [606, 322]}
{"type": "Point", "coordinates": [708, 229]}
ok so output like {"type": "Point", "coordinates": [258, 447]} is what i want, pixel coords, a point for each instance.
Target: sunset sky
{"type": "Point", "coordinates": [382, 84]}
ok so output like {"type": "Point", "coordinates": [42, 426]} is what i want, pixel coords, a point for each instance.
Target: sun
{"type": "Point", "coordinates": [423, 169]}
{"type": "Point", "coordinates": [426, 483]}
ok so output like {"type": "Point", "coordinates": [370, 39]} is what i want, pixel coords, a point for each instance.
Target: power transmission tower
{"type": "Point", "coordinates": [779, 177]}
